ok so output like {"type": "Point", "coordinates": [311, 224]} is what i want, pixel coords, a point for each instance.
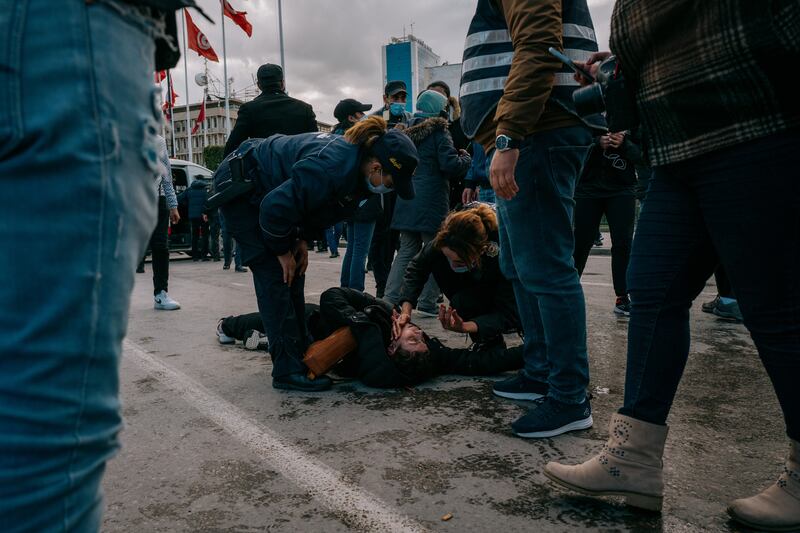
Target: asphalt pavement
{"type": "Point", "coordinates": [210, 446]}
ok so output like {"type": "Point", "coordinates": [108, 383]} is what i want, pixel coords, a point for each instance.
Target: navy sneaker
{"type": "Point", "coordinates": [551, 417]}
{"type": "Point", "coordinates": [520, 387]}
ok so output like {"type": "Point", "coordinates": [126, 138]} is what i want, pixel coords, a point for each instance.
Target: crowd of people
{"type": "Point", "coordinates": [714, 142]}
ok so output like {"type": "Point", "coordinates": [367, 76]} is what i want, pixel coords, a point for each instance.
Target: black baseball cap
{"type": "Point", "coordinates": [394, 87]}
{"type": "Point", "coordinates": [398, 156]}
{"type": "Point", "coordinates": [269, 73]}
{"type": "Point", "coordinates": [348, 107]}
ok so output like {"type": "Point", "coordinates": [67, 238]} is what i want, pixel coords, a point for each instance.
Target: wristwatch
{"type": "Point", "coordinates": [504, 142]}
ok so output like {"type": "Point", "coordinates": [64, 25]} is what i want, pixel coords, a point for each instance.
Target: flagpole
{"type": "Point", "coordinates": [186, 75]}
{"type": "Point", "coordinates": [225, 74]}
{"type": "Point", "coordinates": [171, 111]}
{"type": "Point", "coordinates": [205, 97]}
{"type": "Point", "coordinates": [280, 33]}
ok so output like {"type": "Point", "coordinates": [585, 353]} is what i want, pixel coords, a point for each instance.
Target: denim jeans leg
{"type": "Point", "coordinates": [430, 292]}
{"type": "Point", "coordinates": [76, 156]}
{"type": "Point", "coordinates": [355, 257]}
{"type": "Point", "coordinates": [671, 259]}
{"type": "Point", "coordinates": [410, 244]}
{"type": "Point", "coordinates": [486, 195]}
{"type": "Point", "coordinates": [538, 226]}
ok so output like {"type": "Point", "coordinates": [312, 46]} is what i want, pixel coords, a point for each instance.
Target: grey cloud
{"type": "Point", "coordinates": [335, 44]}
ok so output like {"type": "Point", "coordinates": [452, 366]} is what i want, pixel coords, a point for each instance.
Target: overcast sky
{"type": "Point", "coordinates": [333, 47]}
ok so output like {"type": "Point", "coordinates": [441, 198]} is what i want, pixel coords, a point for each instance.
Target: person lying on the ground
{"type": "Point", "coordinates": [246, 328]}
{"type": "Point", "coordinates": [388, 354]}
{"type": "Point", "coordinates": [464, 260]}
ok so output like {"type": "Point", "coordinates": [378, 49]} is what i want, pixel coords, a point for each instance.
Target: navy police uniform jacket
{"type": "Point", "coordinates": [305, 183]}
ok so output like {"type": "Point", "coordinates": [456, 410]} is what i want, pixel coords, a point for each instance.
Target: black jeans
{"type": "Point", "coordinates": [737, 206]}
{"type": "Point", "coordinates": [159, 249]}
{"type": "Point", "coordinates": [282, 313]}
{"type": "Point", "coordinates": [199, 238]}
{"type": "Point", "coordinates": [620, 212]}
{"type": "Point", "coordinates": [724, 288]}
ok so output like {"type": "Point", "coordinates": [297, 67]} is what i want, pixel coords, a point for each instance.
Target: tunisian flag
{"type": "Point", "coordinates": [238, 17]}
{"type": "Point", "coordinates": [167, 106]}
{"type": "Point", "coordinates": [198, 41]}
{"type": "Point", "coordinates": [160, 76]}
{"type": "Point", "coordinates": [200, 117]}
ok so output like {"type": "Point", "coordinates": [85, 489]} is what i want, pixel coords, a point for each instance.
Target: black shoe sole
{"type": "Point", "coordinates": [288, 386]}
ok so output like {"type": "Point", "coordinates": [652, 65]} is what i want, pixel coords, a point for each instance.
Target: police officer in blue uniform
{"type": "Point", "coordinates": [277, 193]}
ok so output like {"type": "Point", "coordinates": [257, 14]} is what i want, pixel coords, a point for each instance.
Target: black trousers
{"type": "Point", "coordinates": [214, 228]}
{"type": "Point", "coordinates": [159, 249]}
{"type": "Point", "coordinates": [620, 212]}
{"type": "Point", "coordinates": [199, 238]}
{"type": "Point", "coordinates": [381, 254]}
{"type": "Point", "coordinates": [282, 310]}
{"type": "Point", "coordinates": [238, 326]}
{"type": "Point", "coordinates": [724, 288]}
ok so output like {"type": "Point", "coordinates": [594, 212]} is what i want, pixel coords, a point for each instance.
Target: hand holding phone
{"type": "Point", "coordinates": [571, 64]}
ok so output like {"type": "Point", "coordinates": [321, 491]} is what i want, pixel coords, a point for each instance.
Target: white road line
{"type": "Point", "coordinates": [354, 506]}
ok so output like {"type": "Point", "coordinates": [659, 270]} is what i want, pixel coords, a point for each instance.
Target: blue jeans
{"type": "Point", "coordinates": [536, 245]}
{"type": "Point", "coordinates": [486, 194]}
{"type": "Point", "coordinates": [411, 242]}
{"type": "Point", "coordinates": [738, 206]}
{"type": "Point", "coordinates": [359, 238]}
{"type": "Point", "coordinates": [332, 235]}
{"type": "Point", "coordinates": [78, 203]}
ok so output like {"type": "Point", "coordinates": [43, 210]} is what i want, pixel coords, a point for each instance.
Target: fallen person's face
{"type": "Point", "coordinates": [411, 339]}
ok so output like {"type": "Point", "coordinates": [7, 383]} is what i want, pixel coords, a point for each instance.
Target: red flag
{"type": "Point", "coordinates": [238, 17]}
{"type": "Point", "coordinates": [169, 104]}
{"type": "Point", "coordinates": [200, 118]}
{"type": "Point", "coordinates": [160, 76]}
{"type": "Point", "coordinates": [198, 41]}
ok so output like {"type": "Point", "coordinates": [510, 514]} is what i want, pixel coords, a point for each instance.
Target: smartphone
{"type": "Point", "coordinates": [571, 64]}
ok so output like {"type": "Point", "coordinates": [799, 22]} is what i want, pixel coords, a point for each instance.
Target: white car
{"type": "Point", "coordinates": [184, 174]}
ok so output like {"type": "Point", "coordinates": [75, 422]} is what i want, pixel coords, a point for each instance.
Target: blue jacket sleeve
{"type": "Point", "coordinates": [451, 163]}
{"type": "Point", "coordinates": [283, 209]}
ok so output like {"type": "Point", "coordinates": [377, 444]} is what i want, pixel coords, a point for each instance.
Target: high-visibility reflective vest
{"type": "Point", "coordinates": [488, 54]}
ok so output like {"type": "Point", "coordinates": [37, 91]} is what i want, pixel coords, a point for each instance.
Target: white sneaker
{"type": "Point", "coordinates": [164, 302]}
{"type": "Point", "coordinates": [221, 337]}
{"type": "Point", "coordinates": [255, 340]}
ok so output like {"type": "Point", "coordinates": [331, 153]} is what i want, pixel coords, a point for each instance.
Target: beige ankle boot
{"type": "Point", "coordinates": [777, 508]}
{"type": "Point", "coordinates": [629, 465]}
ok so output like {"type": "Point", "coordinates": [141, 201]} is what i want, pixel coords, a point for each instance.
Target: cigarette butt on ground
{"type": "Point", "coordinates": [447, 517]}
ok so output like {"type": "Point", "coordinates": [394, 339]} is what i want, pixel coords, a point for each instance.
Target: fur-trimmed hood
{"type": "Point", "coordinates": [426, 127]}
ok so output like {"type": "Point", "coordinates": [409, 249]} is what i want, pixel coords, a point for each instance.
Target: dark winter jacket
{"type": "Point", "coordinates": [370, 320]}
{"type": "Point", "coordinates": [439, 162]}
{"type": "Point", "coordinates": [306, 183]}
{"type": "Point", "coordinates": [194, 198]}
{"type": "Point", "coordinates": [269, 113]}
{"type": "Point", "coordinates": [482, 295]}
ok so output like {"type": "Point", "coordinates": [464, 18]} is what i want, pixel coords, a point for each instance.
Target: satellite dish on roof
{"type": "Point", "coordinates": [201, 79]}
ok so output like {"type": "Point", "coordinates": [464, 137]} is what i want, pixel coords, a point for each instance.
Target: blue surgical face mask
{"type": "Point", "coordinates": [397, 108]}
{"type": "Point", "coordinates": [378, 189]}
{"type": "Point", "coordinates": [463, 269]}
